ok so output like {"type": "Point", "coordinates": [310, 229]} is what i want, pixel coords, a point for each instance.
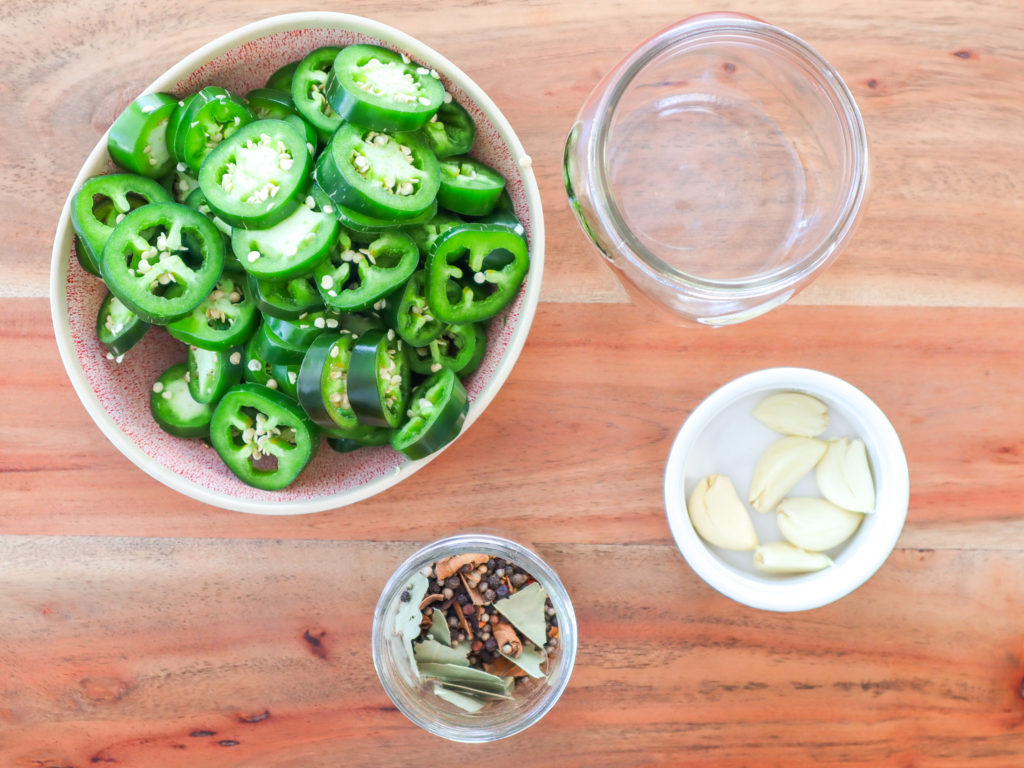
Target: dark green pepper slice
{"type": "Point", "coordinates": [117, 327]}
{"type": "Point", "coordinates": [254, 368]}
{"type": "Point", "coordinates": [175, 120]}
{"type": "Point", "coordinates": [410, 314]}
{"type": "Point", "coordinates": [285, 377]}
{"type": "Point", "coordinates": [379, 89]}
{"type": "Point", "coordinates": [292, 247]}
{"type": "Point", "coordinates": [173, 408]}
{"type": "Point", "coordinates": [289, 299]}
{"type": "Point", "coordinates": [226, 318]}
{"type": "Point", "coordinates": [162, 261]}
{"type": "Point", "coordinates": [286, 341]}
{"type": "Point", "coordinates": [387, 176]}
{"type": "Point", "coordinates": [281, 79]}
{"type": "Point", "coordinates": [348, 440]}
{"type": "Point", "coordinates": [263, 436]}
{"type": "Point", "coordinates": [378, 379]}
{"type": "Point", "coordinates": [86, 259]}
{"type": "Point", "coordinates": [212, 373]}
{"type": "Point", "coordinates": [100, 205]}
{"type": "Point", "coordinates": [474, 271]}
{"type": "Point", "coordinates": [211, 116]}
{"type": "Point", "coordinates": [460, 348]}
{"type": "Point", "coordinates": [308, 95]}
{"type": "Point", "coordinates": [257, 176]}
{"type": "Point", "coordinates": [437, 410]}
{"type": "Point", "coordinates": [427, 233]}
{"type": "Point", "coordinates": [451, 131]}
{"type": "Point", "coordinates": [137, 141]}
{"type": "Point", "coordinates": [322, 384]}
{"type": "Point", "coordinates": [469, 187]}
{"type": "Point", "coordinates": [268, 102]}
{"type": "Point", "coordinates": [350, 280]}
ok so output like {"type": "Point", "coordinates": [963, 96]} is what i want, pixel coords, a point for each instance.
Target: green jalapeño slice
{"type": "Point", "coordinates": [308, 95]}
{"type": "Point", "coordinates": [211, 116]}
{"type": "Point", "coordinates": [377, 88]}
{"type": "Point", "coordinates": [257, 176]}
{"type": "Point", "coordinates": [162, 261]}
{"type": "Point", "coordinates": [474, 271]}
{"type": "Point", "coordinates": [137, 141]}
{"type": "Point", "coordinates": [226, 318]}
{"type": "Point", "coordinates": [378, 379]}
{"type": "Point", "coordinates": [388, 176]}
{"type": "Point", "coordinates": [437, 409]}
{"type": "Point", "coordinates": [469, 187]}
{"type": "Point", "coordinates": [451, 131]}
{"type": "Point", "coordinates": [263, 436]}
{"type": "Point", "coordinates": [351, 280]}
{"type": "Point", "coordinates": [323, 381]}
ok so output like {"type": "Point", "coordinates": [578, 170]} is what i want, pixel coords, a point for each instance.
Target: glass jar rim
{"type": "Point", "coordinates": [698, 29]}
{"type": "Point", "coordinates": [558, 678]}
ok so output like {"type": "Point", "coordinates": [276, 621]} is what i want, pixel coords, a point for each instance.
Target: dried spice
{"type": "Point", "coordinates": [483, 625]}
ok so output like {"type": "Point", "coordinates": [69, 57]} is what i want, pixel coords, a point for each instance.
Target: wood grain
{"type": "Point", "coordinates": [590, 412]}
{"type": "Point", "coordinates": [139, 628]}
{"type": "Point", "coordinates": [668, 672]}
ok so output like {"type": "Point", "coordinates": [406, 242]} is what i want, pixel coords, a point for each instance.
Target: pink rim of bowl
{"type": "Point", "coordinates": [117, 396]}
{"type": "Point", "coordinates": [861, 556]}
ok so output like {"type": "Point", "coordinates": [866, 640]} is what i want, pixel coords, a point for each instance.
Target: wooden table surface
{"type": "Point", "coordinates": [140, 628]}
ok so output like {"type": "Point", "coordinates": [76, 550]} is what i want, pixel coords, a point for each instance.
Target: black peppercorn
{"type": "Point", "coordinates": [490, 595]}
{"type": "Point", "coordinates": [491, 644]}
{"type": "Point", "coordinates": [405, 597]}
{"type": "Point", "coordinates": [493, 581]}
{"type": "Point", "coordinates": [453, 582]}
{"type": "Point", "coordinates": [501, 591]}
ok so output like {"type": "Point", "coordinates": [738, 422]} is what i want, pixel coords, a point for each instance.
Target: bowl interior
{"type": "Point", "coordinates": [722, 437]}
{"type": "Point", "coordinates": [117, 395]}
{"type": "Point", "coordinates": [729, 157]}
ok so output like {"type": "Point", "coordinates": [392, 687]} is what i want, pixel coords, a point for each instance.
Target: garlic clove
{"type": "Point", "coordinates": [718, 515]}
{"type": "Point", "coordinates": [844, 475]}
{"type": "Point", "coordinates": [783, 557]}
{"type": "Point", "coordinates": [815, 524]}
{"type": "Point", "coordinates": [793, 413]}
{"type": "Point", "coordinates": [782, 466]}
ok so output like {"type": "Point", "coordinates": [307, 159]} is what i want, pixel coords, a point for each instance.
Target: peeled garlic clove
{"type": "Point", "coordinates": [816, 524]}
{"type": "Point", "coordinates": [783, 557]}
{"type": "Point", "coordinates": [718, 515]}
{"type": "Point", "coordinates": [793, 413]}
{"type": "Point", "coordinates": [781, 467]}
{"type": "Point", "coordinates": [844, 475]}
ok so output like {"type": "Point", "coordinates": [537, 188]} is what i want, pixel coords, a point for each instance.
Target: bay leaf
{"type": "Point", "coordinates": [439, 628]}
{"type": "Point", "coordinates": [467, 677]}
{"type": "Point", "coordinates": [484, 695]}
{"type": "Point", "coordinates": [459, 699]}
{"type": "Point", "coordinates": [525, 611]}
{"type": "Point", "coordinates": [408, 616]}
{"type": "Point", "coordinates": [530, 661]}
{"type": "Point", "coordinates": [433, 652]}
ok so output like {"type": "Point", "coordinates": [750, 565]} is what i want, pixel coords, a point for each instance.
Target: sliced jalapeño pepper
{"type": "Point", "coordinates": [212, 115]}
{"type": "Point", "coordinates": [350, 280]}
{"type": "Point", "coordinates": [281, 79]}
{"type": "Point", "coordinates": [348, 440]}
{"type": "Point", "coordinates": [286, 341]}
{"type": "Point", "coordinates": [86, 259]}
{"type": "Point", "coordinates": [474, 271]}
{"type": "Point", "coordinates": [173, 407]}
{"type": "Point", "coordinates": [292, 247]}
{"type": "Point", "coordinates": [289, 299]}
{"type": "Point", "coordinates": [387, 176]}
{"type": "Point", "coordinates": [451, 131]}
{"type": "Point", "coordinates": [263, 436]}
{"type": "Point", "coordinates": [137, 140]}
{"type": "Point", "coordinates": [374, 87]}
{"type": "Point", "coordinates": [286, 377]}
{"type": "Point", "coordinates": [469, 187]}
{"type": "Point", "coordinates": [257, 176]}
{"type": "Point", "coordinates": [426, 234]}
{"type": "Point", "coordinates": [438, 409]}
{"type": "Point", "coordinates": [226, 318]}
{"type": "Point", "coordinates": [212, 373]}
{"type": "Point", "coordinates": [101, 203]}
{"type": "Point", "coordinates": [378, 379]}
{"type": "Point", "coordinates": [308, 95]}
{"type": "Point", "coordinates": [460, 348]}
{"type": "Point", "coordinates": [162, 261]}
{"type": "Point", "coordinates": [410, 314]}
{"type": "Point", "coordinates": [269, 102]}
{"type": "Point", "coordinates": [117, 327]}
{"type": "Point", "coordinates": [322, 384]}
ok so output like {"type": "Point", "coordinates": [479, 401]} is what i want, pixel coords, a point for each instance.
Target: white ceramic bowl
{"type": "Point", "coordinates": [117, 396]}
{"type": "Point", "coordinates": [722, 437]}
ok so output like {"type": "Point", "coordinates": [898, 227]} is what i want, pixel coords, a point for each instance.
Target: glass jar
{"type": "Point", "coordinates": [414, 697]}
{"type": "Point", "coordinates": [719, 168]}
